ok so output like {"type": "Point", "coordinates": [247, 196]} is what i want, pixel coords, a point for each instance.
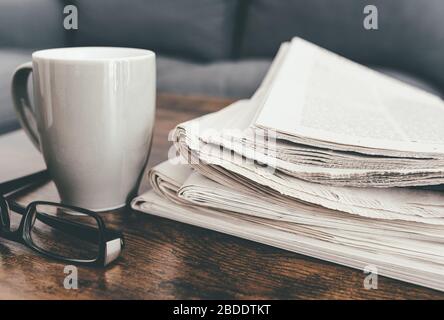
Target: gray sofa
{"type": "Point", "coordinates": [224, 47]}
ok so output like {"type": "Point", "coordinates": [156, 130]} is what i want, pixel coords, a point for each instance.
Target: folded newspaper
{"type": "Point", "coordinates": [328, 159]}
{"type": "Point", "coordinates": [321, 118]}
{"type": "Point", "coordinates": [404, 250]}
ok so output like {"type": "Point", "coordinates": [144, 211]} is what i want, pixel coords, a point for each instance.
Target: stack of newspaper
{"type": "Point", "coordinates": [328, 158]}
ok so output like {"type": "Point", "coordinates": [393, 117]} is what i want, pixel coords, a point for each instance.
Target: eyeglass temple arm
{"type": "Point", "coordinates": [12, 186]}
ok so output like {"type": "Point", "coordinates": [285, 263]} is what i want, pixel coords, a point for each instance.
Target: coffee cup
{"type": "Point", "coordinates": [92, 119]}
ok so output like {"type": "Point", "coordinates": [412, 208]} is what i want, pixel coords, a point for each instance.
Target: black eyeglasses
{"type": "Point", "coordinates": [62, 232]}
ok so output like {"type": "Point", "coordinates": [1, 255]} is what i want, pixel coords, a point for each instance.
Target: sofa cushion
{"type": "Point", "coordinates": [31, 24]}
{"type": "Point", "coordinates": [410, 35]}
{"type": "Point", "coordinates": [235, 79]}
{"type": "Point", "coordinates": [197, 29]}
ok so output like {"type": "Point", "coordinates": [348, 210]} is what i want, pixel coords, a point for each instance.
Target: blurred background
{"type": "Point", "coordinates": [223, 48]}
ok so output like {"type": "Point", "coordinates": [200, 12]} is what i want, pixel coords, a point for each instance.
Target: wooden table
{"type": "Point", "coordinates": [164, 259]}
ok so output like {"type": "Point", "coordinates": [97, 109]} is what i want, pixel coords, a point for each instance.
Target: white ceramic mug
{"type": "Point", "coordinates": [93, 119]}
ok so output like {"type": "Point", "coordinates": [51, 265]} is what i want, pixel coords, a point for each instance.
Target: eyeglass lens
{"type": "Point", "coordinates": [64, 232]}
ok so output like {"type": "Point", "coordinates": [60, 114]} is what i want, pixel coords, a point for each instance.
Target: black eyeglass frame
{"type": "Point", "coordinates": [110, 242]}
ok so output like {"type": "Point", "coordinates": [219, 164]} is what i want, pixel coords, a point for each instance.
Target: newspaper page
{"type": "Point", "coordinates": [321, 96]}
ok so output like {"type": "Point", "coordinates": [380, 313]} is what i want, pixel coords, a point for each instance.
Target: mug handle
{"type": "Point", "coordinates": [22, 104]}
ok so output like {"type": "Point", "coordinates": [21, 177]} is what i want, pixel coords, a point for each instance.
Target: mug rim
{"type": "Point", "coordinates": [92, 54]}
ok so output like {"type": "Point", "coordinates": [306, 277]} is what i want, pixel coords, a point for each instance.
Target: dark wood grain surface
{"type": "Point", "coordinates": [164, 259]}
